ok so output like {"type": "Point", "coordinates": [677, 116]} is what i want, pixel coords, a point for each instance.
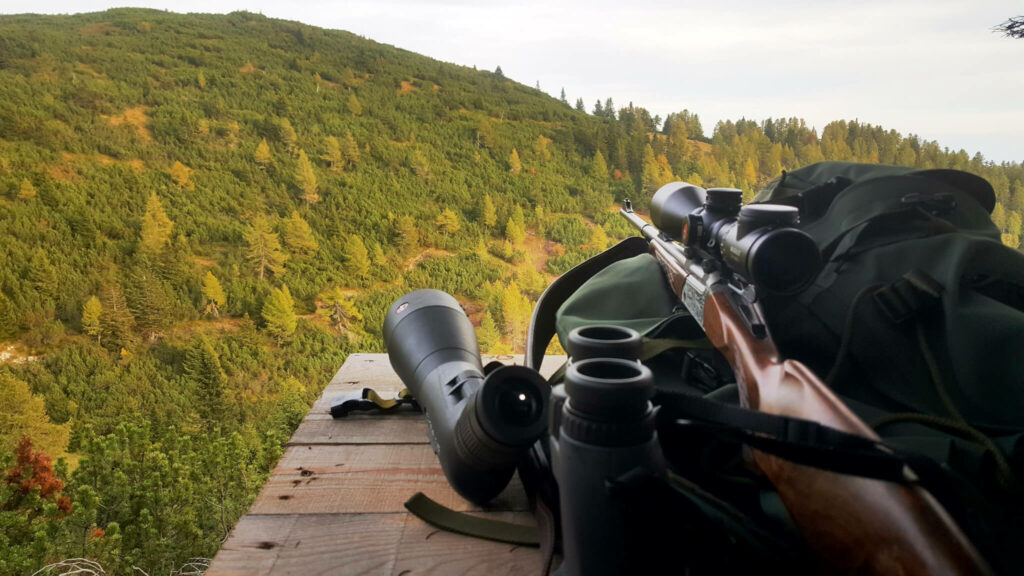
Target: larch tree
{"type": "Point", "coordinates": [262, 154]}
{"type": "Point", "coordinates": [92, 312]}
{"type": "Point", "coordinates": [26, 191]}
{"type": "Point", "coordinates": [156, 226]}
{"type": "Point", "coordinates": [349, 150]}
{"type": "Point", "coordinates": [279, 314]}
{"type": "Point", "coordinates": [182, 175]}
{"type": "Point", "coordinates": [305, 177]}
{"type": "Point", "coordinates": [288, 136]}
{"type": "Point", "coordinates": [357, 259]}
{"type": "Point", "coordinates": [339, 310]}
{"type": "Point", "coordinates": [213, 295]}
{"type": "Point", "coordinates": [489, 337]}
{"type": "Point", "coordinates": [598, 167]}
{"type": "Point", "coordinates": [263, 249]}
{"type": "Point", "coordinates": [598, 238]}
{"type": "Point", "coordinates": [447, 222]}
{"type": "Point", "coordinates": [515, 233]}
{"type": "Point", "coordinates": [515, 310]}
{"type": "Point", "coordinates": [354, 106]}
{"type": "Point", "coordinates": [23, 413]}
{"type": "Point", "coordinates": [515, 166]}
{"type": "Point", "coordinates": [333, 154]}
{"type": "Point", "coordinates": [298, 236]}
{"type": "Point", "coordinates": [408, 235]}
{"type": "Point", "coordinates": [488, 212]}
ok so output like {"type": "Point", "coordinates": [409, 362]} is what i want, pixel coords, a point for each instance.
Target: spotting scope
{"type": "Point", "coordinates": [479, 425]}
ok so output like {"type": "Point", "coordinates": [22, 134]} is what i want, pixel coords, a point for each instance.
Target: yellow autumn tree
{"type": "Point", "coordinates": [515, 166]}
{"type": "Point", "coordinates": [305, 177]}
{"type": "Point", "coordinates": [262, 154]}
{"type": "Point", "coordinates": [156, 226]}
{"type": "Point", "coordinates": [182, 175]}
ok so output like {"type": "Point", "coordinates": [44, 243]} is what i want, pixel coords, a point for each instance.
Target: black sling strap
{"type": "Point", "coordinates": [542, 324]}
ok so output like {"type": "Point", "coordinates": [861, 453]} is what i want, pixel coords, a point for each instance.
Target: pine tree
{"type": "Point", "coordinates": [598, 167]}
{"type": "Point", "coordinates": [305, 177]}
{"type": "Point", "coordinates": [447, 222]}
{"type": "Point", "coordinates": [488, 212]}
{"type": "Point", "coordinates": [357, 260]}
{"type": "Point", "coordinates": [598, 109]}
{"type": "Point", "coordinates": [42, 274]}
{"type": "Point", "coordinates": [333, 154]}
{"type": "Point", "coordinates": [514, 165]}
{"type": "Point", "coordinates": [609, 109]}
{"type": "Point", "coordinates": [298, 236]}
{"type": "Point", "coordinates": [354, 106]}
{"type": "Point", "coordinates": [419, 165]}
{"type": "Point", "coordinates": [151, 302]}
{"type": "Point", "coordinates": [156, 226]}
{"type": "Point", "coordinates": [264, 248]}
{"type": "Point", "coordinates": [563, 99]}
{"type": "Point", "coordinates": [498, 72]}
{"type": "Point", "coordinates": [92, 313]}
{"type": "Point", "coordinates": [262, 154]}
{"type": "Point", "coordinates": [116, 321]}
{"type": "Point", "coordinates": [213, 295]}
{"type": "Point", "coordinates": [279, 314]}
{"type": "Point", "coordinates": [27, 191]}
{"type": "Point", "coordinates": [182, 175]}
{"type": "Point", "coordinates": [580, 107]}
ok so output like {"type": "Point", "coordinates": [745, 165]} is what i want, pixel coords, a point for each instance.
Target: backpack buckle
{"type": "Point", "coordinates": [908, 296]}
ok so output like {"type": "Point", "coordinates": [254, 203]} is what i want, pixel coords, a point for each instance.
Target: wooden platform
{"type": "Point", "coordinates": [334, 504]}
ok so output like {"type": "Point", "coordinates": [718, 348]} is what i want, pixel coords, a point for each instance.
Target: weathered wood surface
{"type": "Point", "coordinates": [334, 503]}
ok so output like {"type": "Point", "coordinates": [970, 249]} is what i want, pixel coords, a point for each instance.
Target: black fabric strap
{"type": "Point", "coordinates": [447, 519]}
{"type": "Point", "coordinates": [542, 324]}
{"type": "Point", "coordinates": [368, 399]}
{"type": "Point", "coordinates": [801, 441]}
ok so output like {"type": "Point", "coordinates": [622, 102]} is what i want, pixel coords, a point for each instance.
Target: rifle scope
{"type": "Point", "coordinates": [757, 242]}
{"type": "Point", "coordinates": [478, 426]}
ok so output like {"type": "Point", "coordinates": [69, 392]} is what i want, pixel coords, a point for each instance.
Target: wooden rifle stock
{"type": "Point", "coordinates": [858, 525]}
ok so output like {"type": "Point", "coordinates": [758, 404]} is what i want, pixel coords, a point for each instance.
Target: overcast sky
{"type": "Point", "coordinates": [929, 67]}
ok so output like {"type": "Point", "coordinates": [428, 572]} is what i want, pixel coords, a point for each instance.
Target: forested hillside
{"type": "Point", "coordinates": [201, 215]}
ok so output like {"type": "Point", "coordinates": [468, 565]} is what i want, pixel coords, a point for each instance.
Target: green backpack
{"type": "Point", "coordinates": [914, 321]}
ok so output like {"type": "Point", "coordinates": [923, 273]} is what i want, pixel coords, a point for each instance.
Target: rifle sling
{"type": "Point", "coordinates": [447, 519]}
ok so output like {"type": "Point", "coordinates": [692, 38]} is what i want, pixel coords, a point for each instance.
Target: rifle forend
{"type": "Point", "coordinates": [856, 524]}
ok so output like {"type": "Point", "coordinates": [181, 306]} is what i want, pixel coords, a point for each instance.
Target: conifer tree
{"type": "Point", "coordinates": [408, 235]}
{"type": "Point", "coordinates": [333, 154]}
{"type": "Point", "coordinates": [498, 72]}
{"type": "Point", "coordinates": [488, 212]}
{"type": "Point", "coordinates": [514, 165]}
{"type": "Point", "coordinates": [262, 154]}
{"type": "Point", "coordinates": [264, 249]}
{"type": "Point", "coordinates": [357, 260]}
{"type": "Point", "coordinates": [447, 222]}
{"type": "Point", "coordinates": [182, 175]}
{"type": "Point", "coordinates": [999, 216]}
{"type": "Point", "coordinates": [488, 336]}
{"type": "Point", "coordinates": [23, 414]}
{"type": "Point", "coordinates": [279, 314]}
{"type": "Point", "coordinates": [298, 236]}
{"type": "Point", "coordinates": [339, 310]}
{"type": "Point", "coordinates": [598, 238]}
{"type": "Point", "coordinates": [354, 106]}
{"type": "Point", "coordinates": [92, 312]}
{"type": "Point", "coordinates": [350, 150]}
{"type": "Point", "coordinates": [515, 233]}
{"type": "Point", "coordinates": [213, 295]}
{"type": "Point", "coordinates": [42, 274]}
{"type": "Point", "coordinates": [598, 167]}
{"type": "Point", "coordinates": [563, 99]}
{"type": "Point", "coordinates": [305, 177]}
{"type": "Point", "coordinates": [580, 107]}
{"type": "Point", "coordinates": [116, 321]}
{"type": "Point", "coordinates": [598, 109]}
{"type": "Point", "coordinates": [515, 310]}
{"type": "Point", "coordinates": [152, 302]}
{"type": "Point", "coordinates": [288, 136]}
{"type": "Point", "coordinates": [202, 366]}
{"type": "Point", "coordinates": [609, 108]}
{"type": "Point", "coordinates": [26, 191]}
{"type": "Point", "coordinates": [156, 226]}
{"type": "Point", "coordinates": [419, 165]}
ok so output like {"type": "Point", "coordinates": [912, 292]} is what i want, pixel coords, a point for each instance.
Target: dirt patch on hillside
{"type": "Point", "coordinates": [135, 117]}
{"type": "Point", "coordinates": [13, 354]}
{"type": "Point", "coordinates": [428, 253]}
{"type": "Point", "coordinates": [538, 250]}
{"type": "Point", "coordinates": [407, 87]}
{"type": "Point", "coordinates": [247, 68]}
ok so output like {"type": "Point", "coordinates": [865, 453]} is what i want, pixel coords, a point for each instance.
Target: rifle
{"type": "Point", "coordinates": [719, 260]}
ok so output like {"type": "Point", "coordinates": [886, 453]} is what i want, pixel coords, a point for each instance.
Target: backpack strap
{"type": "Point", "coordinates": [542, 324]}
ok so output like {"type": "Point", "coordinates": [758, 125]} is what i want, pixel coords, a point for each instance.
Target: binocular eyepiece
{"type": "Point", "coordinates": [757, 242]}
{"type": "Point", "coordinates": [479, 425]}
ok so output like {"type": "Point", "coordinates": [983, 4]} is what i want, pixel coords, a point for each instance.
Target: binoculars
{"type": "Point", "coordinates": [597, 426]}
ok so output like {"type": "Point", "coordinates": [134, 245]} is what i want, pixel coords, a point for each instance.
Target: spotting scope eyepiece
{"type": "Point", "coordinates": [479, 426]}
{"type": "Point", "coordinates": [757, 242]}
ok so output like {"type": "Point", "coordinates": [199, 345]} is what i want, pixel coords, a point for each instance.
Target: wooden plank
{"type": "Point", "coordinates": [365, 544]}
{"type": "Point", "coordinates": [402, 428]}
{"type": "Point", "coordinates": [362, 479]}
